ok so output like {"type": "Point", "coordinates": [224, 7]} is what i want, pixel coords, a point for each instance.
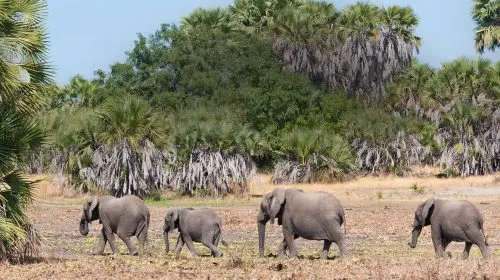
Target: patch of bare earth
{"type": "Point", "coordinates": [378, 229]}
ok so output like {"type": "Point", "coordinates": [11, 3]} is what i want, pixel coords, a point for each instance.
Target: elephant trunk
{"type": "Point", "coordinates": [167, 244]}
{"type": "Point", "coordinates": [84, 227]}
{"type": "Point", "coordinates": [414, 236]}
{"type": "Point", "coordinates": [262, 236]}
{"type": "Point", "coordinates": [262, 220]}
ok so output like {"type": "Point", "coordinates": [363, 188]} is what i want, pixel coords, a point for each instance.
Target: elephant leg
{"type": "Point", "coordinates": [213, 249]}
{"type": "Point", "coordinates": [111, 239]}
{"type": "Point", "coordinates": [190, 245]}
{"type": "Point", "coordinates": [282, 249]}
{"type": "Point", "coordinates": [102, 243]}
{"type": "Point", "coordinates": [131, 248]}
{"type": "Point", "coordinates": [335, 235]}
{"type": "Point", "coordinates": [483, 248]}
{"type": "Point", "coordinates": [477, 237]}
{"type": "Point", "coordinates": [216, 243]}
{"type": "Point", "coordinates": [326, 248]}
{"type": "Point", "coordinates": [438, 244]}
{"type": "Point", "coordinates": [290, 243]}
{"type": "Point", "coordinates": [445, 243]}
{"type": "Point", "coordinates": [142, 238]}
{"type": "Point", "coordinates": [178, 247]}
{"type": "Point", "coordinates": [465, 254]}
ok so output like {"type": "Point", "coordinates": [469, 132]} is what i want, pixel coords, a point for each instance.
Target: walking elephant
{"type": "Point", "coordinates": [458, 221]}
{"type": "Point", "coordinates": [313, 216]}
{"type": "Point", "coordinates": [198, 225]}
{"type": "Point", "coordinates": [126, 216]}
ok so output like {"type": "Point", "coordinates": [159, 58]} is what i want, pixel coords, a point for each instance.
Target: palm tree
{"type": "Point", "coordinates": [24, 74]}
{"type": "Point", "coordinates": [217, 18]}
{"type": "Point", "coordinates": [256, 15]}
{"type": "Point", "coordinates": [24, 71]}
{"type": "Point", "coordinates": [405, 94]}
{"type": "Point", "coordinates": [361, 49]}
{"type": "Point", "coordinates": [18, 137]}
{"type": "Point", "coordinates": [216, 157]}
{"type": "Point", "coordinates": [311, 156]}
{"type": "Point", "coordinates": [131, 159]}
{"type": "Point", "coordinates": [485, 14]}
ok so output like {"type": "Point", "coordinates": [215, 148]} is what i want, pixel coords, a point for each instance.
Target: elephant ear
{"type": "Point", "coordinates": [424, 213]}
{"type": "Point", "coordinates": [92, 203]}
{"type": "Point", "coordinates": [277, 199]}
{"type": "Point", "coordinates": [173, 218]}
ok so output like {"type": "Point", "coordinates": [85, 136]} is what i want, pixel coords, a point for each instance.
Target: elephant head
{"type": "Point", "coordinates": [90, 213]}
{"type": "Point", "coordinates": [270, 208]}
{"type": "Point", "coordinates": [422, 219]}
{"type": "Point", "coordinates": [171, 223]}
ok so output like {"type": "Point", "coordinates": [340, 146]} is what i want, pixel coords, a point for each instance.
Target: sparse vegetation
{"type": "Point", "coordinates": [377, 233]}
{"type": "Point", "coordinates": [416, 189]}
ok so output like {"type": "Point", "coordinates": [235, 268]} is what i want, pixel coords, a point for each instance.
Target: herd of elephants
{"type": "Point", "coordinates": [310, 215]}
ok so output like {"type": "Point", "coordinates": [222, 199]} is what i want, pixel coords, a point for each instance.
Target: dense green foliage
{"type": "Point", "coordinates": [24, 76]}
{"type": "Point", "coordinates": [294, 87]}
{"type": "Point", "coordinates": [486, 14]}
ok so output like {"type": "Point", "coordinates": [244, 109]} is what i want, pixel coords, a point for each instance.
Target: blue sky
{"type": "Point", "coordinates": [93, 34]}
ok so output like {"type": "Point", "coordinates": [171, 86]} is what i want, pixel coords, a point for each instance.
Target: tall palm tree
{"type": "Point", "coordinates": [24, 74]}
{"type": "Point", "coordinates": [129, 160]}
{"type": "Point", "coordinates": [486, 15]}
{"type": "Point", "coordinates": [24, 71]}
{"type": "Point", "coordinates": [217, 18]}
{"type": "Point", "coordinates": [361, 49]}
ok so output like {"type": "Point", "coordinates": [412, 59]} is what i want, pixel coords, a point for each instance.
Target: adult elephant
{"type": "Point", "coordinates": [126, 216]}
{"type": "Point", "coordinates": [450, 221]}
{"type": "Point", "coordinates": [313, 216]}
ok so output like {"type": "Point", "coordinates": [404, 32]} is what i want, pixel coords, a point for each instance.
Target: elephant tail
{"type": "Point", "coordinates": [343, 222]}
{"type": "Point", "coordinates": [224, 242]}
{"type": "Point", "coordinates": [143, 226]}
{"type": "Point", "coordinates": [485, 240]}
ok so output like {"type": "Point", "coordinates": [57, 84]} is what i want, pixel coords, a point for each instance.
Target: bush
{"type": "Point", "coordinates": [312, 156]}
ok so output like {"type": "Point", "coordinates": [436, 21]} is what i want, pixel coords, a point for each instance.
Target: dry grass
{"type": "Point", "coordinates": [377, 233]}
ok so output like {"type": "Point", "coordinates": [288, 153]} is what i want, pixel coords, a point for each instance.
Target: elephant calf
{"type": "Point", "coordinates": [450, 221]}
{"type": "Point", "coordinates": [126, 216]}
{"type": "Point", "coordinates": [313, 216]}
{"type": "Point", "coordinates": [199, 225]}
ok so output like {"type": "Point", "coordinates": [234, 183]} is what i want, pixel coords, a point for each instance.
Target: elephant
{"type": "Point", "coordinates": [198, 225]}
{"type": "Point", "coordinates": [450, 220]}
{"type": "Point", "coordinates": [126, 216]}
{"type": "Point", "coordinates": [313, 216]}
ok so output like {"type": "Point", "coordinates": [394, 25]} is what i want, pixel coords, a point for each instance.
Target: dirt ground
{"type": "Point", "coordinates": [379, 213]}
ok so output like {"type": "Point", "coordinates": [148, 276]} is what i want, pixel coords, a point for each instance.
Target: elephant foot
{"type": "Point", "coordinates": [282, 256]}
{"type": "Point", "coordinates": [134, 253]}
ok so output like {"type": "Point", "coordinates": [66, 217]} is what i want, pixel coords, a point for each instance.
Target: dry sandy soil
{"type": "Point", "coordinates": [379, 212]}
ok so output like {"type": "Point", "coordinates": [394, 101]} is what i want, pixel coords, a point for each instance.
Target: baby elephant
{"type": "Point", "coordinates": [199, 225]}
{"type": "Point", "coordinates": [450, 221]}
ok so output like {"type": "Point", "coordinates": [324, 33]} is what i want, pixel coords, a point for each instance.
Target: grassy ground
{"type": "Point", "coordinates": [379, 214]}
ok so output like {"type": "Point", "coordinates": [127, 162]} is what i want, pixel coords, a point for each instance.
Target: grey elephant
{"type": "Point", "coordinates": [126, 216]}
{"type": "Point", "coordinates": [450, 221]}
{"type": "Point", "coordinates": [313, 216]}
{"type": "Point", "coordinates": [198, 225]}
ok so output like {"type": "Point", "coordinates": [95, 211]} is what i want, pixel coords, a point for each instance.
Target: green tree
{"type": "Point", "coordinates": [24, 75]}
{"type": "Point", "coordinates": [486, 13]}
